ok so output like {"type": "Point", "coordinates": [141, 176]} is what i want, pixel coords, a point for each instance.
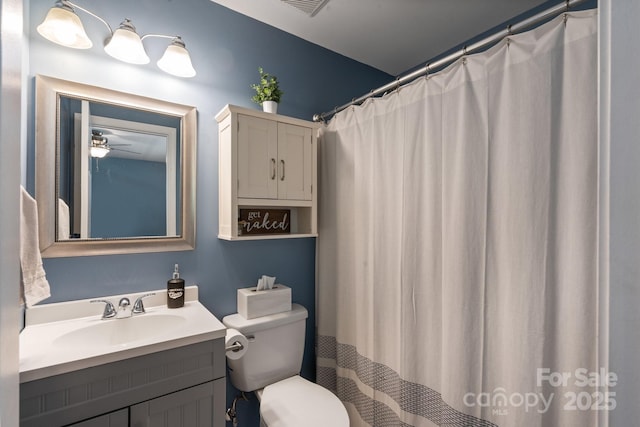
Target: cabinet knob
{"type": "Point", "coordinates": [273, 168]}
{"type": "Point", "coordinates": [282, 176]}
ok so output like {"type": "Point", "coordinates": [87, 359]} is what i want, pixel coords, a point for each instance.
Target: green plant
{"type": "Point", "coordinates": [268, 89]}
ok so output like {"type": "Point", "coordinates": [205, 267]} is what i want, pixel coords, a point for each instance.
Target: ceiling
{"type": "Point", "coordinates": [390, 35]}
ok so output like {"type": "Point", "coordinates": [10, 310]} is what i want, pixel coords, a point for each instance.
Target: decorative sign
{"type": "Point", "coordinates": [264, 221]}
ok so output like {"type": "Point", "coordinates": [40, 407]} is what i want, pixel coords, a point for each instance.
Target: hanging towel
{"type": "Point", "coordinates": [34, 285]}
{"type": "Point", "coordinates": [64, 228]}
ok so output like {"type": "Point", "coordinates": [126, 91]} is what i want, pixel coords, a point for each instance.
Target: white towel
{"type": "Point", "coordinates": [64, 228]}
{"type": "Point", "coordinates": [35, 286]}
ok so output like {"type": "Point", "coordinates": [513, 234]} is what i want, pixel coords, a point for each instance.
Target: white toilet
{"type": "Point", "coordinates": [270, 368]}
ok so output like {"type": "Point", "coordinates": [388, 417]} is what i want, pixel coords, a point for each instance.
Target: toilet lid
{"type": "Point", "coordinates": [296, 402]}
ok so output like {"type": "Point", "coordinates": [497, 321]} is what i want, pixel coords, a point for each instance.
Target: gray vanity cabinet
{"type": "Point", "coordinates": [193, 407]}
{"type": "Point", "coordinates": [115, 419]}
{"type": "Point", "coordinates": [180, 387]}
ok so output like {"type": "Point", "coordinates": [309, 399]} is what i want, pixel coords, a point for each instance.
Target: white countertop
{"type": "Point", "coordinates": [47, 326]}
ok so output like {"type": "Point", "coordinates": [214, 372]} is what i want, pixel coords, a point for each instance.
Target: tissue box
{"type": "Point", "coordinates": [252, 303]}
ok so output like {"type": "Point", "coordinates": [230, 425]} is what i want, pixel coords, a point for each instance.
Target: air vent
{"type": "Point", "coordinates": [309, 7]}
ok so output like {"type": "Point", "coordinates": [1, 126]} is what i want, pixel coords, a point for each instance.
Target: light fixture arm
{"type": "Point", "coordinates": [162, 36]}
{"type": "Point", "coordinates": [69, 4]}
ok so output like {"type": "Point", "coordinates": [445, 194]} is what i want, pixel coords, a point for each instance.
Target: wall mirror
{"type": "Point", "coordinates": [115, 172]}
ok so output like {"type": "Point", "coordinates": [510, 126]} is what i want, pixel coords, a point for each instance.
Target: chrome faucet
{"type": "Point", "coordinates": [138, 306]}
{"type": "Point", "coordinates": [109, 309]}
{"type": "Point", "coordinates": [122, 308]}
{"type": "Point", "coordinates": [125, 309]}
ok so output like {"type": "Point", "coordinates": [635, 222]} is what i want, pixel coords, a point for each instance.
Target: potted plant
{"type": "Point", "coordinates": [268, 92]}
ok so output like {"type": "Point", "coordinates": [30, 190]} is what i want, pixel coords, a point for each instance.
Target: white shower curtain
{"type": "Point", "coordinates": [457, 250]}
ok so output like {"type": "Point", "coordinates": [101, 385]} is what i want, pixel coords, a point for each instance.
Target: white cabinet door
{"type": "Point", "coordinates": [274, 160]}
{"type": "Point", "coordinates": [257, 158]}
{"type": "Point", "coordinates": [294, 162]}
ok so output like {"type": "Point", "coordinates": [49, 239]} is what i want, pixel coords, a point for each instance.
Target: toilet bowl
{"type": "Point", "coordinates": [270, 367]}
{"type": "Point", "coordinates": [296, 402]}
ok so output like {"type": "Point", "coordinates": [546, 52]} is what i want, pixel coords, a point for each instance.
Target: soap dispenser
{"type": "Point", "coordinates": [175, 290]}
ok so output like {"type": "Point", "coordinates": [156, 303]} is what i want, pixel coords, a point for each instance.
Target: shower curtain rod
{"type": "Point", "coordinates": [400, 81]}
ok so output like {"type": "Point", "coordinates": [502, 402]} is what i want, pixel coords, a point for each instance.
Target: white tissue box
{"type": "Point", "coordinates": [252, 303]}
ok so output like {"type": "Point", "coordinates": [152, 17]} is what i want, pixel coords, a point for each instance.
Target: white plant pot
{"type": "Point", "coordinates": [270, 106]}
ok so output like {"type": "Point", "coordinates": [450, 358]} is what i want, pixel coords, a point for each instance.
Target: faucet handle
{"type": "Point", "coordinates": [109, 309]}
{"type": "Point", "coordinates": [138, 306]}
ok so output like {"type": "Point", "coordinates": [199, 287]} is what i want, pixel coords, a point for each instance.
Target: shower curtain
{"type": "Point", "coordinates": [457, 249]}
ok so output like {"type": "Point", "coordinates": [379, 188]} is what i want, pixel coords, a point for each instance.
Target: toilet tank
{"type": "Point", "coordinates": [276, 347]}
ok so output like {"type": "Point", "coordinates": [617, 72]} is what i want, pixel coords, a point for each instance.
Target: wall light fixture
{"type": "Point", "coordinates": [63, 26]}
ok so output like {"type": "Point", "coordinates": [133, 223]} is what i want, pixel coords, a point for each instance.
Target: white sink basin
{"type": "Point", "coordinates": [64, 337]}
{"type": "Point", "coordinates": [122, 332]}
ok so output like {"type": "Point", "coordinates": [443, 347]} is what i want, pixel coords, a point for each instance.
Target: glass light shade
{"type": "Point", "coordinates": [126, 45]}
{"type": "Point", "coordinates": [176, 60]}
{"type": "Point", "coordinates": [63, 26]}
{"type": "Point", "coordinates": [99, 152]}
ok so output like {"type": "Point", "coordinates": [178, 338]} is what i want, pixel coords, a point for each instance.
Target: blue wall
{"type": "Point", "coordinates": [227, 49]}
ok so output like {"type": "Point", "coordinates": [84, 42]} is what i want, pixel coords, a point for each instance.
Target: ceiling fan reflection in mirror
{"type": "Point", "coordinates": [100, 146]}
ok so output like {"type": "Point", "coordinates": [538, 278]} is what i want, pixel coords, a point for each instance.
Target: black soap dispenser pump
{"type": "Point", "coordinates": [175, 290]}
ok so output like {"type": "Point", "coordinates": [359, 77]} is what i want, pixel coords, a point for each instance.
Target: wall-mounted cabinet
{"type": "Point", "coordinates": [266, 161]}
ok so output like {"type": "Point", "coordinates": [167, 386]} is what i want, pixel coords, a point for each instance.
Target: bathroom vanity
{"type": "Point", "coordinates": [162, 367]}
